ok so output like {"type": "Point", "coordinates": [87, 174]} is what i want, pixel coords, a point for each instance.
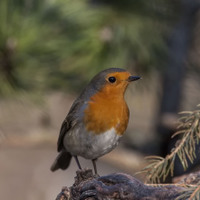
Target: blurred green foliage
{"type": "Point", "coordinates": [60, 44]}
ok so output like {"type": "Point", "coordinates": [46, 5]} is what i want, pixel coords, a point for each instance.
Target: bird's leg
{"type": "Point", "coordinates": [94, 165]}
{"type": "Point", "coordinates": [77, 162]}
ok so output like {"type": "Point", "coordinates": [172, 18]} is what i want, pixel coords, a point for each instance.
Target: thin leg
{"type": "Point", "coordinates": [94, 165]}
{"type": "Point", "coordinates": [77, 162]}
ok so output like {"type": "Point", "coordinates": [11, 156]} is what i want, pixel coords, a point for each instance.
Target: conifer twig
{"type": "Point", "coordinates": [189, 131]}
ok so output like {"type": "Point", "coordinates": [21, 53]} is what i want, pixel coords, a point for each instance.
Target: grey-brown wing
{"type": "Point", "coordinates": [64, 128]}
{"type": "Point", "coordinates": [69, 122]}
{"type": "Point", "coordinates": [75, 114]}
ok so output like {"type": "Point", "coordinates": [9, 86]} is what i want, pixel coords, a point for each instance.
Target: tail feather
{"type": "Point", "coordinates": [62, 161]}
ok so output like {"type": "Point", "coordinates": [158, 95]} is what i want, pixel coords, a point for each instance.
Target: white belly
{"type": "Point", "coordinates": [88, 145]}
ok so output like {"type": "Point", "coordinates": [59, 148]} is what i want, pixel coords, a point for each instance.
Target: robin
{"type": "Point", "coordinates": [97, 119]}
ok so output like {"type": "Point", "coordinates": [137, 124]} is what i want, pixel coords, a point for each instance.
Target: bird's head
{"type": "Point", "coordinates": [113, 80]}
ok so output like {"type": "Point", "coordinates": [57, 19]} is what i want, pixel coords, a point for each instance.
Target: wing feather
{"type": "Point", "coordinates": [70, 122]}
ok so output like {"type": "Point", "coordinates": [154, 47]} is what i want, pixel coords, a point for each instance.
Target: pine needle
{"type": "Point", "coordinates": [189, 130]}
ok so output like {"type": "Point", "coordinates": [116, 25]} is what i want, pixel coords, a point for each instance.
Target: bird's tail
{"type": "Point", "coordinates": [62, 161]}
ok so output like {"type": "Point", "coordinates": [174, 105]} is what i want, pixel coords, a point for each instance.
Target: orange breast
{"type": "Point", "coordinates": [105, 111]}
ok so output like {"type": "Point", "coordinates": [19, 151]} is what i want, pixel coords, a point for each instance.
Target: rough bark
{"type": "Point", "coordinates": [121, 186]}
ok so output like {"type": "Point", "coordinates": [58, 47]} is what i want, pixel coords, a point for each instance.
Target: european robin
{"type": "Point", "coordinates": [97, 119]}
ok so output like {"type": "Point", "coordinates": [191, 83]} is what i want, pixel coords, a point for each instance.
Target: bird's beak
{"type": "Point", "coordinates": [133, 78]}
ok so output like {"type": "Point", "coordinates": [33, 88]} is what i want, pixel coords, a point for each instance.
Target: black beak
{"type": "Point", "coordinates": [133, 78]}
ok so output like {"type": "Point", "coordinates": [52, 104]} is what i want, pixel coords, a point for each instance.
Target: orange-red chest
{"type": "Point", "coordinates": [106, 111]}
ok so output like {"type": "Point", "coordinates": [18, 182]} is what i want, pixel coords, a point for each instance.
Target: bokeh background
{"type": "Point", "coordinates": [50, 49]}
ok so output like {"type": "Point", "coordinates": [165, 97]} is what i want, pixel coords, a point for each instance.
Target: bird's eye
{"type": "Point", "coordinates": [112, 79]}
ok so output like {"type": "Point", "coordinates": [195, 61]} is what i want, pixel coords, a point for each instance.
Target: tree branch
{"type": "Point", "coordinates": [117, 186]}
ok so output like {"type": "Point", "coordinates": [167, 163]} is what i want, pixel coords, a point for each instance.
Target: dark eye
{"type": "Point", "coordinates": [112, 79]}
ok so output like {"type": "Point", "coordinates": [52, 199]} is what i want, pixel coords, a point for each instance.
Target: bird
{"type": "Point", "coordinates": [96, 120]}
